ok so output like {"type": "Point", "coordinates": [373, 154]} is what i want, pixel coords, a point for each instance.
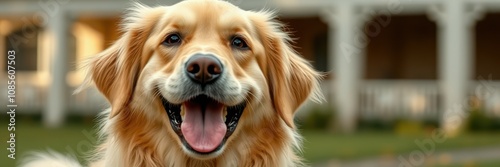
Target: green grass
{"type": "Point", "coordinates": [31, 136]}
{"type": "Point", "coordinates": [321, 146]}
{"type": "Point", "coordinates": [494, 163]}
{"type": "Point", "coordinates": [318, 146]}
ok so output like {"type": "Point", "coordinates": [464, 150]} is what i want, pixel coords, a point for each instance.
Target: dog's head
{"type": "Point", "coordinates": [199, 71]}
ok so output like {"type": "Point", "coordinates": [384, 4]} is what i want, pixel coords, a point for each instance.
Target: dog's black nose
{"type": "Point", "coordinates": [203, 68]}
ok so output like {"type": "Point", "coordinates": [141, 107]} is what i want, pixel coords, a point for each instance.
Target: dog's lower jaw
{"type": "Point", "coordinates": [139, 146]}
{"type": "Point", "coordinates": [274, 151]}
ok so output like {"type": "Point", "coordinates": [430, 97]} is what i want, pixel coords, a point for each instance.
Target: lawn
{"type": "Point", "coordinates": [494, 163]}
{"type": "Point", "coordinates": [31, 136]}
{"type": "Point", "coordinates": [319, 146]}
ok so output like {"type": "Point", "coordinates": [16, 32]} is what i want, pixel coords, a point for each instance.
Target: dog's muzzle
{"type": "Point", "coordinates": [206, 121]}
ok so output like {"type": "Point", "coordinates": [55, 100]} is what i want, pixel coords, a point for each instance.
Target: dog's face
{"type": "Point", "coordinates": [199, 68]}
{"type": "Point", "coordinates": [201, 71]}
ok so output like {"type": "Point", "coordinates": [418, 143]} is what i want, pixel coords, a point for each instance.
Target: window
{"type": "Point", "coordinates": [321, 52]}
{"type": "Point", "coordinates": [26, 47]}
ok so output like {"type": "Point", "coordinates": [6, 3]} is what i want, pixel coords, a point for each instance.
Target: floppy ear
{"type": "Point", "coordinates": [115, 70]}
{"type": "Point", "coordinates": [291, 78]}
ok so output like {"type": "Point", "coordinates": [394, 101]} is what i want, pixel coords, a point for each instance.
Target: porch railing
{"type": "Point", "coordinates": [31, 99]}
{"type": "Point", "coordinates": [414, 99]}
{"type": "Point", "coordinates": [410, 99]}
{"type": "Point", "coordinates": [379, 99]}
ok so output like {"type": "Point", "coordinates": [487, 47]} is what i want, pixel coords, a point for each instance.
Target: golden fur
{"type": "Point", "coordinates": [271, 77]}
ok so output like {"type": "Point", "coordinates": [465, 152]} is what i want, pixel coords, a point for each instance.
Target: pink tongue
{"type": "Point", "coordinates": [203, 134]}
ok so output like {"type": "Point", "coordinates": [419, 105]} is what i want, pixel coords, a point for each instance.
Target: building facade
{"type": "Point", "coordinates": [383, 59]}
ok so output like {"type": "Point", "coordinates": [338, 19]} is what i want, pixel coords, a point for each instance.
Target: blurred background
{"type": "Point", "coordinates": [408, 83]}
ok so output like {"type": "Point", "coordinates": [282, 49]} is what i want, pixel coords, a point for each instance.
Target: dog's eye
{"type": "Point", "coordinates": [172, 39]}
{"type": "Point", "coordinates": [239, 43]}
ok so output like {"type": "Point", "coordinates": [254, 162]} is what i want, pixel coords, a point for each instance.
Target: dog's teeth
{"type": "Point", "coordinates": [224, 114]}
{"type": "Point", "coordinates": [182, 112]}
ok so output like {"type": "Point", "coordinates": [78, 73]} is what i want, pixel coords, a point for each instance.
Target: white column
{"type": "Point", "coordinates": [455, 43]}
{"type": "Point", "coordinates": [347, 43]}
{"type": "Point", "coordinates": [54, 114]}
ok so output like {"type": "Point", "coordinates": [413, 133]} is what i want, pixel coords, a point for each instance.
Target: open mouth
{"type": "Point", "coordinates": [205, 124]}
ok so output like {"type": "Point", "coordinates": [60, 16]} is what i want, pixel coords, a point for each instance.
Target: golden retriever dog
{"type": "Point", "coordinates": [201, 83]}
